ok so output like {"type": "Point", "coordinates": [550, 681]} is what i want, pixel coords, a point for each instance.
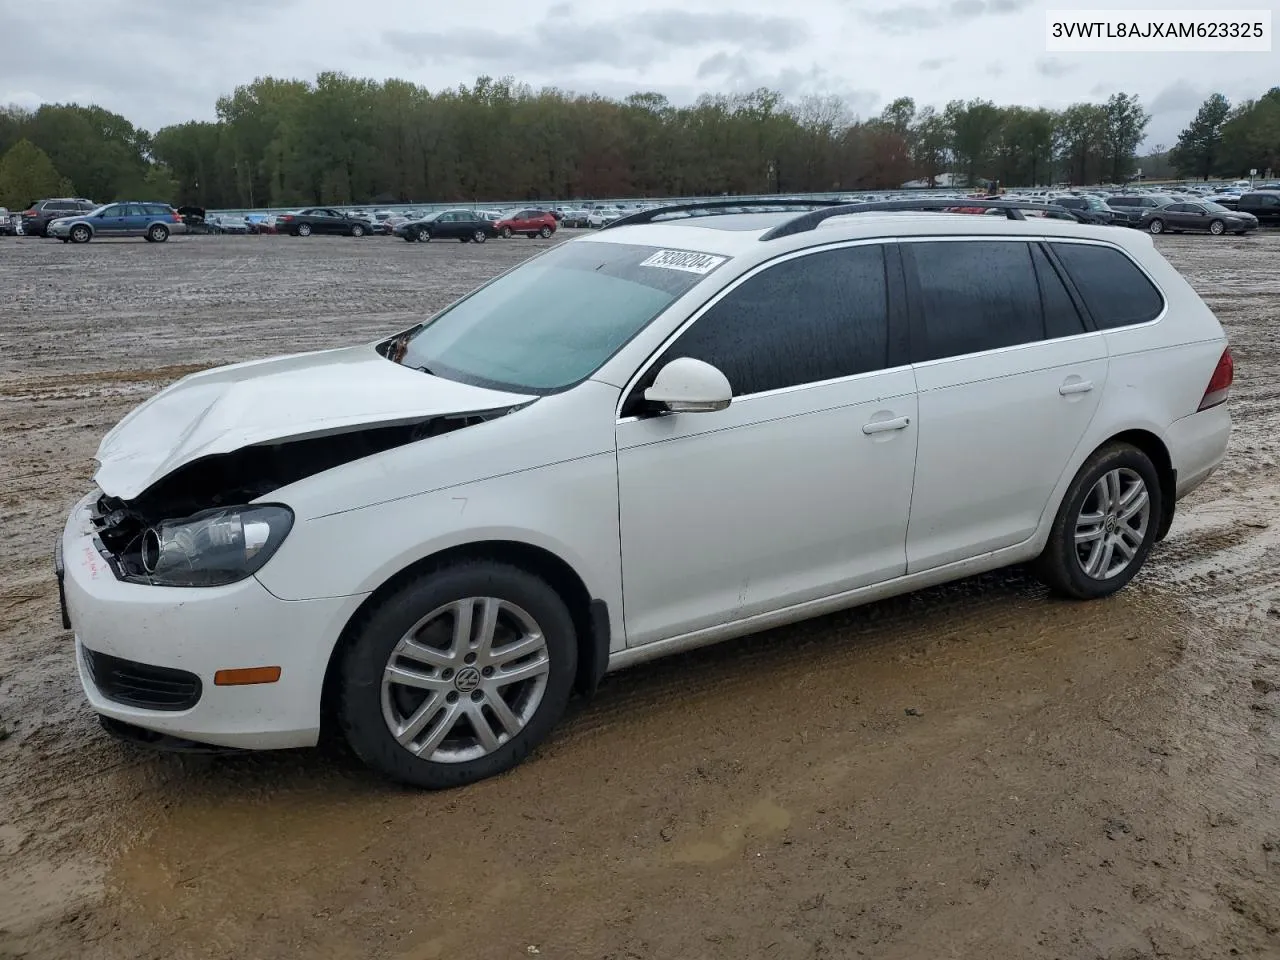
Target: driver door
{"type": "Point", "coordinates": [800, 489]}
{"type": "Point", "coordinates": [113, 221]}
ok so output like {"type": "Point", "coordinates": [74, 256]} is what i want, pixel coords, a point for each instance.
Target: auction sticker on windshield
{"type": "Point", "coordinates": [685, 260]}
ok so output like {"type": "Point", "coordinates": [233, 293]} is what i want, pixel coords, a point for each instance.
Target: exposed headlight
{"type": "Point", "coordinates": [213, 547]}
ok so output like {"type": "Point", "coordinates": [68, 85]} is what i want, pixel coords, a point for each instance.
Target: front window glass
{"type": "Point", "coordinates": [552, 321]}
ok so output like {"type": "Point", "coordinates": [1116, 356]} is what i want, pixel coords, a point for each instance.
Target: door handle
{"type": "Point", "coordinates": [886, 426]}
{"type": "Point", "coordinates": [1080, 386]}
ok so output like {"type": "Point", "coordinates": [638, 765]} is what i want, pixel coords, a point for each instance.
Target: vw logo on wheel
{"type": "Point", "coordinates": [1110, 524]}
{"type": "Point", "coordinates": [467, 679]}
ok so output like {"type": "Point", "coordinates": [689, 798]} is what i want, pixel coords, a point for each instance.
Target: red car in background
{"type": "Point", "coordinates": [531, 222]}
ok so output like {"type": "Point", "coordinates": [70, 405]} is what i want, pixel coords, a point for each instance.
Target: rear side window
{"type": "Point", "coordinates": [975, 295]}
{"type": "Point", "coordinates": [817, 317]}
{"type": "Point", "coordinates": [1061, 318]}
{"type": "Point", "coordinates": [1114, 290]}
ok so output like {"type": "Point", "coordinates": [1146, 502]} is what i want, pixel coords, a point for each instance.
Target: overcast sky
{"type": "Point", "coordinates": [165, 61]}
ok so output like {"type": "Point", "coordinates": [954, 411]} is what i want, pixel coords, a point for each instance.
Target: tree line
{"type": "Point", "coordinates": [340, 139]}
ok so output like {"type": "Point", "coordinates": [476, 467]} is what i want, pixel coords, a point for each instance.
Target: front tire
{"type": "Point", "coordinates": [1217, 228]}
{"type": "Point", "coordinates": [81, 234]}
{"type": "Point", "coordinates": [545, 233]}
{"type": "Point", "coordinates": [506, 233]}
{"type": "Point", "coordinates": [458, 675]}
{"type": "Point", "coordinates": [1106, 525]}
{"type": "Point", "coordinates": [1156, 226]}
{"type": "Point", "coordinates": [479, 236]}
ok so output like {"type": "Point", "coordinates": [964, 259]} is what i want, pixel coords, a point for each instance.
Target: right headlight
{"type": "Point", "coordinates": [213, 547]}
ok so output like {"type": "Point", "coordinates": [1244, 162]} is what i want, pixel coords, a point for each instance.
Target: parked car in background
{"type": "Point", "coordinates": [1262, 204]}
{"type": "Point", "coordinates": [261, 222]}
{"type": "Point", "coordinates": [227, 223]}
{"type": "Point", "coordinates": [1127, 209]}
{"type": "Point", "coordinates": [1200, 216]}
{"type": "Point", "coordinates": [574, 217]}
{"type": "Point", "coordinates": [152, 221]}
{"type": "Point", "coordinates": [7, 225]}
{"type": "Point", "coordinates": [530, 221]}
{"type": "Point", "coordinates": [322, 220]}
{"type": "Point", "coordinates": [1088, 209]}
{"type": "Point", "coordinates": [602, 216]}
{"type": "Point", "coordinates": [469, 226]}
{"type": "Point", "coordinates": [37, 217]}
{"type": "Point", "coordinates": [193, 217]}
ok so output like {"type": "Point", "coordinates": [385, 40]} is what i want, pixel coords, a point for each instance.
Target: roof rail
{"type": "Point", "coordinates": [648, 216]}
{"type": "Point", "coordinates": [1012, 208]}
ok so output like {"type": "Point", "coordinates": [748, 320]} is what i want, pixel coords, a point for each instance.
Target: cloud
{"type": "Point", "coordinates": [635, 41]}
{"type": "Point", "coordinates": [1055, 67]}
{"type": "Point", "coordinates": [935, 63]}
{"type": "Point", "coordinates": [914, 17]}
{"type": "Point", "coordinates": [1180, 96]}
{"type": "Point", "coordinates": [736, 73]}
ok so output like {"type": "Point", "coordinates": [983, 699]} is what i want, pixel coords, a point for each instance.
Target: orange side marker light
{"type": "Point", "coordinates": [246, 675]}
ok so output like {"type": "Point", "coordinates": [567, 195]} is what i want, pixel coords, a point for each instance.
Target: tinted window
{"type": "Point", "coordinates": [1061, 318]}
{"type": "Point", "coordinates": [816, 317]}
{"type": "Point", "coordinates": [1073, 204]}
{"type": "Point", "coordinates": [60, 205]}
{"type": "Point", "coordinates": [156, 209]}
{"type": "Point", "coordinates": [1180, 208]}
{"type": "Point", "coordinates": [975, 295]}
{"type": "Point", "coordinates": [1116, 292]}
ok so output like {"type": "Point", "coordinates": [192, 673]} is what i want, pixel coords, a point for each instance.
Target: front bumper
{"type": "Point", "coordinates": [58, 230]}
{"type": "Point", "coordinates": [202, 631]}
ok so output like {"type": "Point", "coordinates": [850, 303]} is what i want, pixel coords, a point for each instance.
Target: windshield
{"type": "Point", "coordinates": [551, 322]}
{"type": "Point", "coordinates": [1214, 207]}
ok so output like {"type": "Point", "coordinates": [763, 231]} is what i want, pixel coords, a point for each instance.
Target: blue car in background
{"type": "Point", "coordinates": [153, 221]}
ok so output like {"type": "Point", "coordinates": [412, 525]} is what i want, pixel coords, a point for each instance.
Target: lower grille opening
{"type": "Point", "coordinates": [141, 684]}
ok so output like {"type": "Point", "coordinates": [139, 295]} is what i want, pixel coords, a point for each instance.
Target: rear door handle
{"type": "Point", "coordinates": [886, 426]}
{"type": "Point", "coordinates": [1080, 386]}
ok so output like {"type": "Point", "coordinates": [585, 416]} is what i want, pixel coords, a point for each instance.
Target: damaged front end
{"type": "Point", "coordinates": [201, 525]}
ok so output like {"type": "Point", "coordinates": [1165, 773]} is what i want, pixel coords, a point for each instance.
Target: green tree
{"type": "Point", "coordinates": [26, 174]}
{"type": "Point", "coordinates": [1125, 124]}
{"type": "Point", "coordinates": [1199, 147]}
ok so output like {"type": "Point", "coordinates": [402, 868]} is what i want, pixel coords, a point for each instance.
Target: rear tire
{"type": "Point", "coordinates": [545, 233]}
{"type": "Point", "coordinates": [158, 233]}
{"type": "Point", "coordinates": [1106, 525]}
{"type": "Point", "coordinates": [416, 629]}
{"type": "Point", "coordinates": [357, 231]}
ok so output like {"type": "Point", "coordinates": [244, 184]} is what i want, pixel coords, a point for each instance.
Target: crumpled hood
{"type": "Point", "coordinates": [268, 401]}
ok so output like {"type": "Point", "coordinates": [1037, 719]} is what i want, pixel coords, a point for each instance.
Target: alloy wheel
{"type": "Point", "coordinates": [1112, 524]}
{"type": "Point", "coordinates": [465, 679]}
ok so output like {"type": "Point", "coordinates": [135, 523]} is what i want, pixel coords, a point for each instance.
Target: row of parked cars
{"type": "Point", "coordinates": [1173, 211]}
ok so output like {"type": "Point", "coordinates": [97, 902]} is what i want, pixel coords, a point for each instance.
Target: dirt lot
{"type": "Point", "coordinates": [976, 771]}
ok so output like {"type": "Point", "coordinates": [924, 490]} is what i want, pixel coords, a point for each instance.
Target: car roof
{"type": "Point", "coordinates": [738, 234]}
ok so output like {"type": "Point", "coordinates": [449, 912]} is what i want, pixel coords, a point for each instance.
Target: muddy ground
{"type": "Point", "coordinates": [974, 771]}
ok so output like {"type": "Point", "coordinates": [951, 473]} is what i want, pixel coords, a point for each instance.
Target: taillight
{"type": "Point", "coordinates": [177, 218]}
{"type": "Point", "coordinates": [1220, 383]}
{"type": "Point", "coordinates": [33, 212]}
{"type": "Point", "coordinates": [285, 219]}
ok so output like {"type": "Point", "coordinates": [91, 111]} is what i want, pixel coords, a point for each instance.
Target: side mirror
{"type": "Point", "coordinates": [686, 385]}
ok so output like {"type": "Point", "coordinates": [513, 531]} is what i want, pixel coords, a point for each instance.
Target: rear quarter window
{"type": "Point", "coordinates": [1115, 291]}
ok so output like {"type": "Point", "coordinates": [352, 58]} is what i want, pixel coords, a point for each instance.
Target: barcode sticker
{"type": "Point", "coordinates": [685, 260]}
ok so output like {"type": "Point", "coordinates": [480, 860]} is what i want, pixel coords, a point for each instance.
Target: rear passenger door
{"type": "Point", "coordinates": [1009, 379]}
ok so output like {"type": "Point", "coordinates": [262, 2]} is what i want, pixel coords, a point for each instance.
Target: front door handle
{"type": "Point", "coordinates": [886, 426]}
{"type": "Point", "coordinates": [1079, 386]}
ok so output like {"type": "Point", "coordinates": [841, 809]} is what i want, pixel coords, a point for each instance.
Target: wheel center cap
{"type": "Point", "coordinates": [1110, 523]}
{"type": "Point", "coordinates": [467, 679]}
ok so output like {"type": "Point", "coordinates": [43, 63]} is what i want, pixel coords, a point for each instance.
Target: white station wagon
{"type": "Point", "coordinates": [647, 439]}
